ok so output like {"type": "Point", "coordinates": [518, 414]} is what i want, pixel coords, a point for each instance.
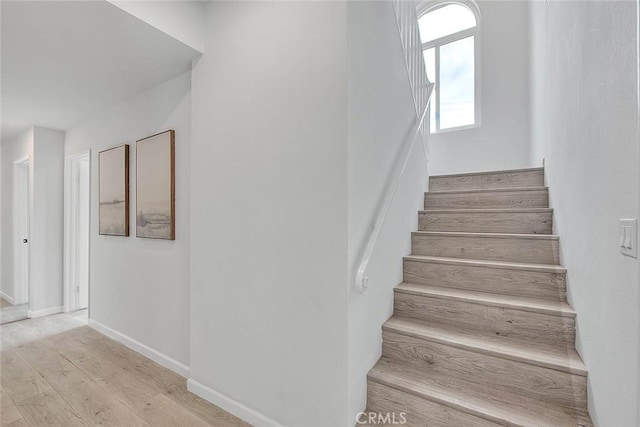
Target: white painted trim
{"type": "Point", "coordinates": [450, 38]}
{"type": "Point", "coordinates": [457, 128]}
{"type": "Point", "coordinates": [22, 160]}
{"type": "Point", "coordinates": [430, 5]}
{"type": "Point", "coordinates": [6, 297]}
{"type": "Point", "coordinates": [160, 358]}
{"type": "Point", "coordinates": [231, 405]}
{"type": "Point", "coordinates": [33, 314]}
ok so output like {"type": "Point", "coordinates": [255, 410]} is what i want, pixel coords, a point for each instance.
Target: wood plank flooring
{"type": "Point", "coordinates": [56, 371]}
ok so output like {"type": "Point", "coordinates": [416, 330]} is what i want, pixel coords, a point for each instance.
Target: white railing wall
{"type": "Point", "coordinates": [421, 88]}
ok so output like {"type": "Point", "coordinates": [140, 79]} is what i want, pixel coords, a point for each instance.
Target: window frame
{"type": "Point", "coordinates": [429, 6]}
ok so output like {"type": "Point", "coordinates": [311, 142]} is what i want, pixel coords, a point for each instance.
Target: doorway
{"type": "Point", "coordinates": [77, 226]}
{"type": "Point", "coordinates": [15, 298]}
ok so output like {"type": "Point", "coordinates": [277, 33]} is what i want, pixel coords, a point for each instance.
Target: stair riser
{"type": "Point", "coordinates": [417, 411]}
{"type": "Point", "coordinates": [548, 385]}
{"type": "Point", "coordinates": [487, 222]}
{"type": "Point", "coordinates": [533, 178]}
{"type": "Point", "coordinates": [533, 284]}
{"type": "Point", "coordinates": [532, 328]}
{"type": "Point", "coordinates": [514, 249]}
{"type": "Point", "coordinates": [488, 200]}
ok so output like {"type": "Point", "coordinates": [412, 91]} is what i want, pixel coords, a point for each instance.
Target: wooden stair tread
{"type": "Point", "coordinates": [469, 174]}
{"type": "Point", "coordinates": [488, 210]}
{"type": "Point", "coordinates": [530, 220]}
{"type": "Point", "coordinates": [569, 361]}
{"type": "Point", "coordinates": [490, 190]}
{"type": "Point", "coordinates": [501, 408]}
{"type": "Point", "coordinates": [517, 178]}
{"type": "Point", "coordinates": [487, 235]}
{"type": "Point", "coordinates": [548, 307]}
{"type": "Point", "coordinates": [507, 265]}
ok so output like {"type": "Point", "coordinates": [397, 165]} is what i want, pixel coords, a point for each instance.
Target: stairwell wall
{"type": "Point", "coordinates": [269, 213]}
{"type": "Point", "coordinates": [382, 119]}
{"type": "Point", "coordinates": [584, 88]}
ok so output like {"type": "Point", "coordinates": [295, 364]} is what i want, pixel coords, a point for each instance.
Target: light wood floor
{"type": "Point", "coordinates": [56, 371]}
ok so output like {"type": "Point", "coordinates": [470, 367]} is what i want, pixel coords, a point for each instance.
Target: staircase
{"type": "Point", "coordinates": [481, 333]}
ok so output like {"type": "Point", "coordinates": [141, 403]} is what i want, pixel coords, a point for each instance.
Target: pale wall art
{"type": "Point", "coordinates": [113, 171]}
{"type": "Point", "coordinates": [155, 186]}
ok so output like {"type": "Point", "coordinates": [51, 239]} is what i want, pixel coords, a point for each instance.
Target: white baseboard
{"type": "Point", "coordinates": [6, 297]}
{"type": "Point", "coordinates": [32, 314]}
{"type": "Point", "coordinates": [230, 405]}
{"type": "Point", "coordinates": [160, 358]}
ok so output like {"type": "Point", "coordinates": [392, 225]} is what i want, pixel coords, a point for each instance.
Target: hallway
{"type": "Point", "coordinates": [58, 371]}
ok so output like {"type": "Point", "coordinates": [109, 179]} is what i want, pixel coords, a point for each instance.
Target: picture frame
{"type": "Point", "coordinates": [155, 186]}
{"type": "Point", "coordinates": [113, 191]}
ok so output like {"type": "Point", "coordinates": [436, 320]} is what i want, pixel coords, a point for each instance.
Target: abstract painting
{"type": "Point", "coordinates": [113, 171]}
{"type": "Point", "coordinates": [155, 186]}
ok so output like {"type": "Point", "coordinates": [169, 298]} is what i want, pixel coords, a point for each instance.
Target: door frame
{"type": "Point", "coordinates": [24, 166]}
{"type": "Point", "coordinates": [70, 229]}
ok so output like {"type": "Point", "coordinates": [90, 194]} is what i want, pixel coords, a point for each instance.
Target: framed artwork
{"type": "Point", "coordinates": [155, 187]}
{"type": "Point", "coordinates": [113, 191]}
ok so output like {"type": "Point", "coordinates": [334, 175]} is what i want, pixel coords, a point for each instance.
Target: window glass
{"type": "Point", "coordinates": [430, 63]}
{"type": "Point", "coordinates": [457, 83]}
{"type": "Point", "coordinates": [444, 21]}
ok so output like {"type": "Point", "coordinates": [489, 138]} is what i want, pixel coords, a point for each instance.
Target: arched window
{"type": "Point", "coordinates": [449, 33]}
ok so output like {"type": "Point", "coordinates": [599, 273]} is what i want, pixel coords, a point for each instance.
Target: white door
{"type": "Point", "coordinates": [21, 232]}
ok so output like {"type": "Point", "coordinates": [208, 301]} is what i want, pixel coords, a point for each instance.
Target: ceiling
{"type": "Point", "coordinates": [63, 61]}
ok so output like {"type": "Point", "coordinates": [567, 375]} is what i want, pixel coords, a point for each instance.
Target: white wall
{"type": "Point", "coordinates": [14, 149]}
{"type": "Point", "coordinates": [638, 86]}
{"type": "Point", "coordinates": [3, 236]}
{"type": "Point", "coordinates": [140, 287]}
{"type": "Point", "coordinates": [269, 222]}
{"type": "Point", "coordinates": [585, 123]}
{"type": "Point", "coordinates": [502, 141]}
{"type": "Point", "coordinates": [382, 119]}
{"type": "Point", "coordinates": [46, 233]}
{"type": "Point", "coordinates": [182, 20]}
